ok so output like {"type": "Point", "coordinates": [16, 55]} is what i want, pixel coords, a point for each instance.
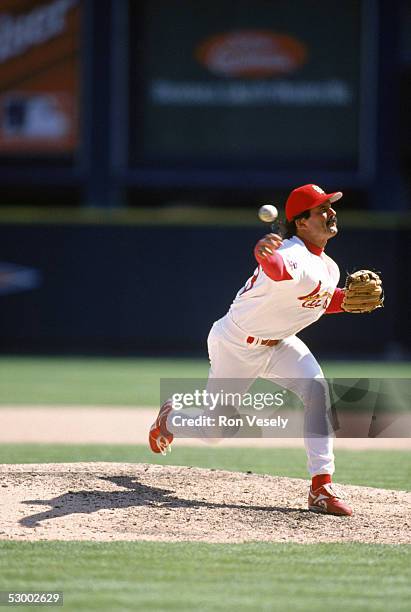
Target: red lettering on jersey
{"type": "Point", "coordinates": [315, 298]}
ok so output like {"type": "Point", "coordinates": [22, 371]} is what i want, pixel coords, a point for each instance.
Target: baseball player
{"type": "Point", "coordinates": [294, 284]}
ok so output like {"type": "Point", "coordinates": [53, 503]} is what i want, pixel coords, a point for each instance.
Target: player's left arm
{"type": "Point", "coordinates": [335, 304]}
{"type": "Point", "coordinates": [363, 292]}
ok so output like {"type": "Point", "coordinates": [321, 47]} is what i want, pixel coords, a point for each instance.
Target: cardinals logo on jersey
{"type": "Point", "coordinates": [315, 298]}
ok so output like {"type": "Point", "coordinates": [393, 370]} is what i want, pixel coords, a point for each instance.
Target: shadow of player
{"type": "Point", "coordinates": [137, 494]}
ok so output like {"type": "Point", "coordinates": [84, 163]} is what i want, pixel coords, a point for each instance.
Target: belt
{"type": "Point", "coordinates": [252, 340]}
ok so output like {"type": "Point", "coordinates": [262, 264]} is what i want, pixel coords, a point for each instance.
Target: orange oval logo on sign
{"type": "Point", "coordinates": [251, 53]}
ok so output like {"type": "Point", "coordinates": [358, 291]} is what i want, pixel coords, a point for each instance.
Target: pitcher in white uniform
{"type": "Point", "coordinates": [294, 284]}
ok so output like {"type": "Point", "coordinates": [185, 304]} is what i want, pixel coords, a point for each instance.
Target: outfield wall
{"type": "Point", "coordinates": [157, 289]}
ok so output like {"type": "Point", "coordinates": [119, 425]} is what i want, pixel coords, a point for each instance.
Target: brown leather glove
{"type": "Point", "coordinates": [363, 292]}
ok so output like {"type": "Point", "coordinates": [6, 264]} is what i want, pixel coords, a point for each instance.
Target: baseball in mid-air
{"type": "Point", "coordinates": [268, 213]}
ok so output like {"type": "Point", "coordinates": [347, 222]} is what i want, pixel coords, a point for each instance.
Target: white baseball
{"type": "Point", "coordinates": [268, 213]}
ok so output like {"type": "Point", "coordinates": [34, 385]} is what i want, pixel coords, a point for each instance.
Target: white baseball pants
{"type": "Point", "coordinates": [232, 358]}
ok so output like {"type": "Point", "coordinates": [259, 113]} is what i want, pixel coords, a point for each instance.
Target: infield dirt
{"type": "Point", "coordinates": [112, 501]}
{"type": "Point", "coordinates": [120, 425]}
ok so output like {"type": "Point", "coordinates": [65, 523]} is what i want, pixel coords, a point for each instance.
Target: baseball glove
{"type": "Point", "coordinates": [363, 292]}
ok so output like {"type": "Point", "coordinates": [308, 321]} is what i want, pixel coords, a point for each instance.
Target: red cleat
{"type": "Point", "coordinates": [325, 499]}
{"type": "Point", "coordinates": [159, 437]}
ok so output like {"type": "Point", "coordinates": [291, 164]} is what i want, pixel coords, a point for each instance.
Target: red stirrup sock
{"type": "Point", "coordinates": [320, 480]}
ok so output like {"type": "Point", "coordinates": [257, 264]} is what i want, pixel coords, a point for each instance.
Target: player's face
{"type": "Point", "coordinates": [321, 225]}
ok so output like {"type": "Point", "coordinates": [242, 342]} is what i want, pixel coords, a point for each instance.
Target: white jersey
{"type": "Point", "coordinates": [265, 308]}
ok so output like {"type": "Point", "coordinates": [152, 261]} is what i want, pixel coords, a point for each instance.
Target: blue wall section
{"type": "Point", "coordinates": [158, 289]}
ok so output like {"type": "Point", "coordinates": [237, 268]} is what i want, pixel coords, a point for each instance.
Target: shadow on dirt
{"type": "Point", "coordinates": [137, 494]}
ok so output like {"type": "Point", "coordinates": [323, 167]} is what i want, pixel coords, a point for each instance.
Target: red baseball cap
{"type": "Point", "coordinates": [306, 197]}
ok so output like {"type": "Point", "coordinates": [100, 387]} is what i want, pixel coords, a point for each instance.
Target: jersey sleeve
{"type": "Point", "coordinates": [273, 266]}
{"type": "Point", "coordinates": [335, 304]}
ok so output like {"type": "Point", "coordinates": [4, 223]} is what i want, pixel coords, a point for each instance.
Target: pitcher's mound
{"type": "Point", "coordinates": [113, 501]}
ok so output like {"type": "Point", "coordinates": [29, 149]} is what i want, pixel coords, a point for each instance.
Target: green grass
{"type": "Point", "coordinates": [129, 381]}
{"type": "Point", "coordinates": [384, 469]}
{"type": "Point", "coordinates": [90, 381]}
{"type": "Point", "coordinates": [198, 576]}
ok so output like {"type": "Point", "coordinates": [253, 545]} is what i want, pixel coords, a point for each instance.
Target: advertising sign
{"type": "Point", "coordinates": [252, 80]}
{"type": "Point", "coordinates": [39, 75]}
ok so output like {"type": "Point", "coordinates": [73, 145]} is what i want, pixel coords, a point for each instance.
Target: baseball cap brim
{"type": "Point", "coordinates": [333, 197]}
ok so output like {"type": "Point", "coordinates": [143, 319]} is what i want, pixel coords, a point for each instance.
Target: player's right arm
{"type": "Point", "coordinates": [267, 255]}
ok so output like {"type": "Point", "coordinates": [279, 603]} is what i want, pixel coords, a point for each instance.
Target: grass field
{"type": "Point", "coordinates": [384, 469]}
{"type": "Point", "coordinates": [129, 382]}
{"type": "Point", "coordinates": [190, 575]}
{"type": "Point", "coordinates": [194, 576]}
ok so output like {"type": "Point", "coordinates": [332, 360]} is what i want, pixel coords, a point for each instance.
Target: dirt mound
{"type": "Point", "coordinates": [112, 501]}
